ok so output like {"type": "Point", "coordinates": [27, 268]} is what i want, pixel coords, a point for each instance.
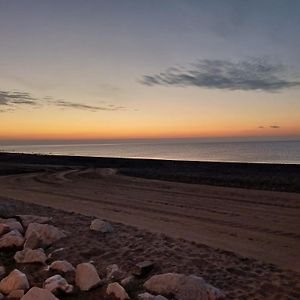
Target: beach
{"type": "Point", "coordinates": [240, 232]}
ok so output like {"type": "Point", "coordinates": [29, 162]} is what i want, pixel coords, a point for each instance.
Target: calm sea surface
{"type": "Point", "coordinates": [267, 152]}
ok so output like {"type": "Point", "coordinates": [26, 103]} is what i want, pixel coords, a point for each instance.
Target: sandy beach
{"type": "Point", "coordinates": [243, 241]}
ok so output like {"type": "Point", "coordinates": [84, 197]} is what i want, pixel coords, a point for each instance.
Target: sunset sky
{"type": "Point", "coordinates": [88, 69]}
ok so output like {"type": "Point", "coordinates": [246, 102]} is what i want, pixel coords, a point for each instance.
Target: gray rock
{"type": "Point", "coordinates": [181, 286]}
{"type": "Point", "coordinates": [114, 272]}
{"type": "Point", "coordinates": [12, 239]}
{"type": "Point", "coordinates": [36, 293]}
{"type": "Point", "coordinates": [16, 294]}
{"type": "Point", "coordinates": [117, 291]}
{"type": "Point", "coordinates": [143, 268]}
{"type": "Point", "coordinates": [13, 224]}
{"type": "Point", "coordinates": [2, 271]}
{"type": "Point", "coordinates": [86, 276]}
{"type": "Point", "coordinates": [62, 266]}
{"type": "Point", "coordinates": [16, 280]}
{"type": "Point", "coordinates": [57, 283]}
{"type": "Point", "coordinates": [48, 234]}
{"type": "Point", "coordinates": [1, 296]}
{"type": "Point", "coordinates": [102, 226]}
{"type": "Point", "coordinates": [30, 256]}
{"type": "Point", "coordinates": [128, 281]}
{"type": "Point", "coordinates": [27, 219]}
{"type": "Point", "coordinates": [145, 296]}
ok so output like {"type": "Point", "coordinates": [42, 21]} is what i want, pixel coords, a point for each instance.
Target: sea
{"type": "Point", "coordinates": [283, 152]}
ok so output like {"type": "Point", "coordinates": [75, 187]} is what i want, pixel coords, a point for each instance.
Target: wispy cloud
{"type": "Point", "coordinates": [252, 74]}
{"type": "Point", "coordinates": [274, 126]}
{"type": "Point", "coordinates": [12, 100]}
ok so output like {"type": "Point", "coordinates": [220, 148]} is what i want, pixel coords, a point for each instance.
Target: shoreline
{"type": "Point", "coordinates": [262, 176]}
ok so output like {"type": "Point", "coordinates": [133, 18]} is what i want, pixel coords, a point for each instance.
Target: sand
{"type": "Point", "coordinates": [244, 241]}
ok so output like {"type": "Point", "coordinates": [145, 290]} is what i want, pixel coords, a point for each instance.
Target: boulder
{"type": "Point", "coordinates": [34, 241]}
{"type": "Point", "coordinates": [12, 239]}
{"type": "Point", "coordinates": [181, 287]}
{"type": "Point", "coordinates": [16, 294]}
{"type": "Point", "coordinates": [4, 228]}
{"type": "Point", "coordinates": [48, 234]}
{"type": "Point", "coordinates": [36, 293]}
{"type": "Point", "coordinates": [30, 256]}
{"type": "Point", "coordinates": [16, 280]}
{"type": "Point", "coordinates": [102, 226]}
{"type": "Point", "coordinates": [117, 291]}
{"type": "Point", "coordinates": [86, 276]}
{"type": "Point", "coordinates": [57, 283]}
{"type": "Point", "coordinates": [128, 282]}
{"type": "Point", "coordinates": [27, 219]}
{"type": "Point", "coordinates": [62, 266]}
{"type": "Point", "coordinates": [143, 268]}
{"type": "Point", "coordinates": [13, 224]}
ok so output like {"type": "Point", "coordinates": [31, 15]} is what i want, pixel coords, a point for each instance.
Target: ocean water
{"type": "Point", "coordinates": [286, 152]}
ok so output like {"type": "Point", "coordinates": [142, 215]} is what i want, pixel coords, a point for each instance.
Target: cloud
{"type": "Point", "coordinates": [11, 100]}
{"type": "Point", "coordinates": [252, 74]}
{"type": "Point", "coordinates": [274, 126]}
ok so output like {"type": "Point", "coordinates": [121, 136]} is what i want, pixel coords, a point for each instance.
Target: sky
{"type": "Point", "coordinates": [94, 69]}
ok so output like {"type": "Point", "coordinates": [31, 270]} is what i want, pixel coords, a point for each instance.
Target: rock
{"type": "Point", "coordinates": [36, 293]}
{"type": "Point", "coordinates": [145, 296]}
{"type": "Point", "coordinates": [48, 234]}
{"type": "Point", "coordinates": [102, 226]}
{"type": "Point", "coordinates": [13, 224]}
{"type": "Point", "coordinates": [30, 256]}
{"type": "Point", "coordinates": [143, 268]}
{"type": "Point", "coordinates": [117, 291]}
{"type": "Point", "coordinates": [86, 276]}
{"type": "Point", "coordinates": [27, 219]}
{"type": "Point", "coordinates": [1, 296]}
{"type": "Point", "coordinates": [181, 286]}
{"type": "Point", "coordinates": [57, 283]}
{"type": "Point", "coordinates": [128, 281]}
{"type": "Point", "coordinates": [160, 297]}
{"type": "Point", "coordinates": [11, 239]}
{"type": "Point", "coordinates": [2, 271]}
{"type": "Point", "coordinates": [16, 280]}
{"type": "Point", "coordinates": [16, 294]}
{"type": "Point", "coordinates": [4, 228]}
{"type": "Point", "coordinates": [114, 272]}
{"type": "Point", "coordinates": [34, 241]}
{"type": "Point", "coordinates": [62, 266]}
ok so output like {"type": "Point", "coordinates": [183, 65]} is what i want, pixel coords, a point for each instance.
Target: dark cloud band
{"type": "Point", "coordinates": [252, 74]}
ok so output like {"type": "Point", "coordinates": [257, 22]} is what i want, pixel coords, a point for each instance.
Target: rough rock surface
{"type": "Point", "coordinates": [86, 276]}
{"type": "Point", "coordinates": [13, 224]}
{"type": "Point", "coordinates": [48, 234]}
{"type": "Point", "coordinates": [4, 228]}
{"type": "Point", "coordinates": [102, 226]}
{"type": "Point", "coordinates": [117, 291]}
{"type": "Point", "coordinates": [114, 272]}
{"type": "Point", "coordinates": [30, 256]}
{"type": "Point", "coordinates": [34, 241]}
{"type": "Point", "coordinates": [128, 281]}
{"type": "Point", "coordinates": [27, 219]}
{"type": "Point", "coordinates": [58, 283]}
{"type": "Point", "coordinates": [2, 271]}
{"type": "Point", "coordinates": [16, 294]}
{"type": "Point", "coordinates": [36, 293]}
{"type": "Point", "coordinates": [181, 286]}
{"type": "Point", "coordinates": [16, 280]}
{"type": "Point", "coordinates": [62, 266]}
{"type": "Point", "coordinates": [12, 239]}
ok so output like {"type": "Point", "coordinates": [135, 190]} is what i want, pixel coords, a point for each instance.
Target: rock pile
{"type": "Point", "coordinates": [30, 236]}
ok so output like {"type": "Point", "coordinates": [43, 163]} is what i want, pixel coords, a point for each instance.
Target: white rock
{"type": "Point", "coordinates": [117, 290]}
{"type": "Point", "coordinates": [30, 256]}
{"type": "Point", "coordinates": [62, 266]}
{"type": "Point", "coordinates": [13, 224]}
{"type": "Point", "coordinates": [181, 286]}
{"type": "Point", "coordinates": [86, 276]}
{"type": "Point", "coordinates": [58, 283]}
{"type": "Point", "coordinates": [48, 234]}
{"type": "Point", "coordinates": [4, 228]}
{"type": "Point", "coordinates": [27, 219]}
{"type": "Point", "coordinates": [11, 239]}
{"type": "Point", "coordinates": [16, 280]}
{"type": "Point", "coordinates": [36, 293]}
{"type": "Point", "coordinates": [102, 226]}
{"type": "Point", "coordinates": [16, 294]}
